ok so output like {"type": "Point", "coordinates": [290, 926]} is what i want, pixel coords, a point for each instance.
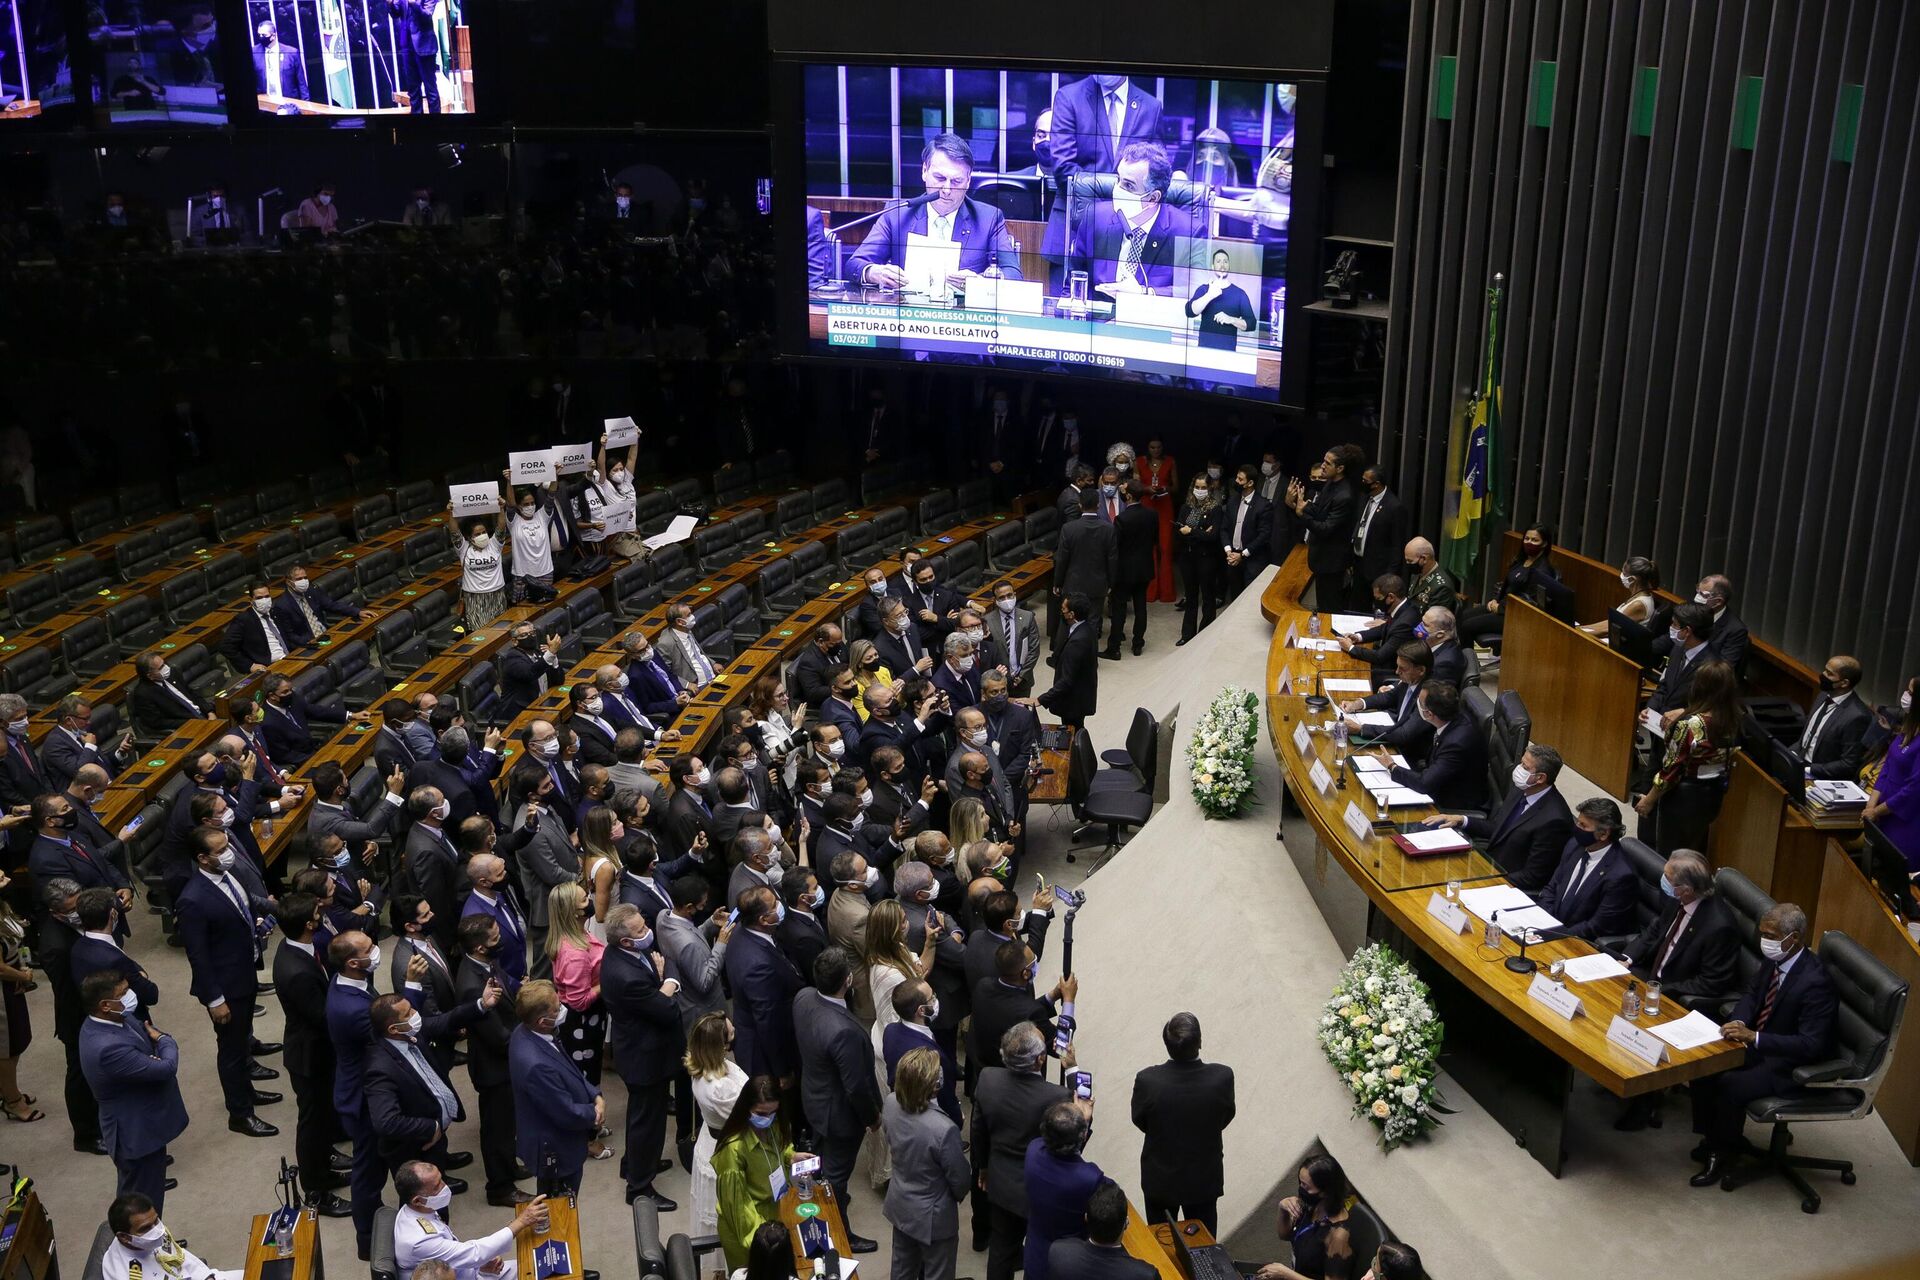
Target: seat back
{"type": "Point", "coordinates": [141, 501]}
{"type": "Point", "coordinates": [1043, 529]}
{"type": "Point", "coordinates": [736, 605]}
{"type": "Point", "coordinates": [38, 536]}
{"type": "Point", "coordinates": [130, 616]}
{"type": "Point", "coordinates": [1649, 869]}
{"type": "Point", "coordinates": [891, 526]}
{"type": "Point", "coordinates": [1512, 722]}
{"type": "Point", "coordinates": [686, 493]}
{"type": "Point", "coordinates": [415, 499]}
{"type": "Point", "coordinates": [854, 545]}
{"type": "Point", "coordinates": [966, 565]}
{"type": "Point", "coordinates": [316, 684]}
{"type": "Point", "coordinates": [808, 558]}
{"type": "Point", "coordinates": [425, 552]}
{"type": "Point", "coordinates": [793, 512]}
{"type": "Point", "coordinates": [381, 1263]}
{"type": "Point", "coordinates": [95, 1266]}
{"type": "Point", "coordinates": [392, 634]}
{"type": "Point", "coordinates": [477, 693]}
{"type": "Point", "coordinates": [180, 531]}
{"type": "Point", "coordinates": [681, 1263]}
{"type": "Point", "coordinates": [328, 485]}
{"type": "Point", "coordinates": [34, 600]}
{"type": "Point", "coordinates": [729, 483]}
{"type": "Point", "coordinates": [85, 641]}
{"type": "Point", "coordinates": [430, 609]}
{"type": "Point", "coordinates": [235, 515]}
{"type": "Point", "coordinates": [279, 500]}
{"type": "Point", "coordinates": [77, 573]}
{"type": "Point", "coordinates": [711, 630]}
{"type": "Point", "coordinates": [377, 572]}
{"type": "Point", "coordinates": [583, 606]}
{"type": "Point", "coordinates": [1470, 672]}
{"type": "Point", "coordinates": [1873, 1004]}
{"type": "Point", "coordinates": [183, 597]}
{"type": "Point", "coordinates": [227, 574]}
{"type": "Point", "coordinates": [774, 466]}
{"type": "Point", "coordinates": [974, 499]}
{"type": "Point", "coordinates": [937, 511]}
{"type": "Point", "coordinates": [1081, 765]}
{"type": "Point", "coordinates": [192, 665]}
{"type": "Point", "coordinates": [277, 549]}
{"type": "Point", "coordinates": [775, 576]}
{"type": "Point", "coordinates": [1006, 543]}
{"type": "Point", "coordinates": [321, 531]}
{"type": "Point", "coordinates": [829, 498]}
{"type": "Point", "coordinates": [713, 546]}
{"type": "Point", "coordinates": [669, 563]}
{"type": "Point", "coordinates": [347, 661]}
{"type": "Point", "coordinates": [652, 510]}
{"type": "Point", "coordinates": [1365, 1231]}
{"type": "Point", "coordinates": [91, 517]}
{"type": "Point", "coordinates": [750, 526]}
{"type": "Point", "coordinates": [629, 584]}
{"type": "Point", "coordinates": [20, 673]}
{"type": "Point", "coordinates": [373, 515]}
{"type": "Point", "coordinates": [1139, 736]}
{"type": "Point", "coordinates": [648, 1252]}
{"type": "Point", "coordinates": [338, 583]}
{"type": "Point", "coordinates": [1748, 902]}
{"type": "Point", "coordinates": [135, 553]}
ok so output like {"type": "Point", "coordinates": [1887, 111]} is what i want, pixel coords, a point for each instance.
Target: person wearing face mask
{"type": "Point", "coordinates": [958, 675]}
{"type": "Point", "coordinates": [1197, 544]}
{"type": "Point", "coordinates": [318, 211]}
{"type": "Point", "coordinates": [527, 670]}
{"type": "Point", "coordinates": [839, 1091]}
{"type": "Point", "coordinates": [575, 956]}
{"type": "Point", "coordinates": [72, 743]}
{"type": "Point", "coordinates": [1727, 635]}
{"type": "Point", "coordinates": [557, 1111]}
{"type": "Point", "coordinates": [1380, 531]}
{"type": "Point", "coordinates": [1592, 891]}
{"type": "Point", "coordinates": [1455, 770]}
{"type": "Point", "coordinates": [1531, 568]}
{"type": "Point", "coordinates": [422, 210]}
{"type": "Point", "coordinates": [278, 69]}
{"type": "Point", "coordinates": [221, 925]}
{"type": "Point", "coordinates": [854, 879]}
{"type": "Point", "coordinates": [1094, 118]}
{"type": "Point", "coordinates": [678, 647]}
{"type": "Point", "coordinates": [1012, 644]}
{"type": "Point", "coordinates": [1059, 1181]}
{"type": "Point", "coordinates": [1834, 743]}
{"type": "Point", "coordinates": [429, 863]}
{"type": "Point", "coordinates": [1893, 799]}
{"type": "Point", "coordinates": [483, 575]}
{"type": "Point", "coordinates": [917, 1007]}
{"type": "Point", "coordinates": [1075, 692]}
{"type": "Point", "coordinates": [1245, 525]}
{"type": "Point", "coordinates": [57, 934]}
{"type": "Point", "coordinates": [482, 953]}
{"type": "Point", "coordinates": [756, 861]}
{"type": "Point", "coordinates": [1314, 1219]}
{"type": "Point", "coordinates": [495, 898]}
{"type": "Point", "coordinates": [1640, 579]}
{"type": "Point", "coordinates": [423, 1240]}
{"type": "Point", "coordinates": [536, 530]}
{"type": "Point", "coordinates": [1085, 561]}
{"type": "Point", "coordinates": [1399, 617]}
{"type": "Point", "coordinates": [254, 639]}
{"type": "Point", "coordinates": [1687, 789]}
{"type": "Point", "coordinates": [133, 1070]}
{"type": "Point", "coordinates": [750, 1149]}
{"type": "Point", "coordinates": [763, 982]}
{"type": "Point", "coordinates": [354, 959]}
{"type": "Point", "coordinates": [647, 1039]}
{"type": "Point", "coordinates": [802, 934]}
{"type": "Point", "coordinates": [1328, 519]}
{"type": "Point", "coordinates": [300, 982]}
{"type": "Point", "coordinates": [902, 652]}
{"type": "Point", "coordinates": [410, 1104]}
{"type": "Point", "coordinates": [930, 1171]}
{"type": "Point", "coordinates": [156, 705]}
{"type": "Point", "coordinates": [587, 717]}
{"type": "Point", "coordinates": [302, 609]}
{"type": "Point", "coordinates": [1689, 631]}
{"type": "Point", "coordinates": [1136, 531]}
{"type": "Point", "coordinates": [98, 950]}
{"type": "Point", "coordinates": [142, 1246]}
{"type": "Point", "coordinates": [1009, 1101]}
{"type": "Point", "coordinates": [59, 850]}
{"type": "Point", "coordinates": [1785, 1020]}
{"type": "Point", "coordinates": [1526, 834]}
{"type": "Point", "coordinates": [1436, 628]}
{"type": "Point", "coordinates": [1433, 586]}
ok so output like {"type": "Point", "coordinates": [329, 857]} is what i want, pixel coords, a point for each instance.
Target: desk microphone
{"type": "Point", "coordinates": [1520, 963]}
{"type": "Point", "coordinates": [834, 233]}
{"type": "Point", "coordinates": [1317, 700]}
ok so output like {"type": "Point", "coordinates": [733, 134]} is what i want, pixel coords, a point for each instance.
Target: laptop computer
{"type": "Point", "coordinates": [1208, 1262]}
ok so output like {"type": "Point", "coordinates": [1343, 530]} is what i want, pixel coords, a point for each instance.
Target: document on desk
{"type": "Point", "coordinates": [1439, 840]}
{"type": "Point", "coordinates": [1340, 684]}
{"type": "Point", "coordinates": [1373, 719]}
{"type": "Point", "coordinates": [1311, 645]}
{"type": "Point", "coordinates": [929, 262]}
{"type": "Point", "coordinates": [1346, 624]}
{"type": "Point", "coordinates": [1497, 897]}
{"type": "Point", "coordinates": [1374, 764]}
{"type": "Point", "coordinates": [1690, 1032]}
{"type": "Point", "coordinates": [1593, 968]}
{"type": "Point", "coordinates": [679, 530]}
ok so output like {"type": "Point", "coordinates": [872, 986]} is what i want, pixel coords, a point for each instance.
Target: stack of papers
{"type": "Point", "coordinates": [1318, 646]}
{"type": "Point", "coordinates": [1346, 624]}
{"type": "Point", "coordinates": [1343, 684]}
{"type": "Point", "coordinates": [1592, 968]}
{"type": "Point", "coordinates": [1515, 908]}
{"type": "Point", "coordinates": [1374, 764]}
{"type": "Point", "coordinates": [1374, 719]}
{"type": "Point", "coordinates": [1689, 1032]}
{"type": "Point", "coordinates": [1389, 794]}
{"type": "Point", "coordinates": [1439, 840]}
{"type": "Point", "coordinates": [1835, 796]}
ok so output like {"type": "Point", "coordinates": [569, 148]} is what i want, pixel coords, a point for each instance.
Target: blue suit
{"type": "Point", "coordinates": [846, 720]}
{"type": "Point", "coordinates": [552, 1108]}
{"type": "Point", "coordinates": [49, 858]}
{"type": "Point", "coordinates": [350, 1028]}
{"type": "Point", "coordinates": [136, 1080]}
{"type": "Point", "coordinates": [1083, 131]}
{"type": "Point", "coordinates": [223, 949]}
{"type": "Point", "coordinates": [293, 623]}
{"type": "Point", "coordinates": [1603, 904]}
{"type": "Point", "coordinates": [1166, 257]}
{"type": "Point", "coordinates": [979, 229]}
{"type": "Point", "coordinates": [764, 983]}
{"type": "Point", "coordinates": [819, 252]}
{"type": "Point", "coordinates": [654, 688]}
{"type": "Point", "coordinates": [1800, 1030]}
{"type": "Point", "coordinates": [1057, 1192]}
{"type": "Point", "coordinates": [90, 956]}
{"type": "Point", "coordinates": [513, 932]}
{"type": "Point", "coordinates": [900, 1039]}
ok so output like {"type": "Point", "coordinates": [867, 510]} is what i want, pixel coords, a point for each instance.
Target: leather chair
{"type": "Point", "coordinates": [975, 498]}
{"type": "Point", "coordinates": [1749, 902]}
{"type": "Point", "coordinates": [937, 511]}
{"type": "Point", "coordinates": [649, 1254]}
{"type": "Point", "coordinates": [1650, 868]}
{"type": "Point", "coordinates": [777, 465]}
{"type": "Point", "coordinates": [382, 1265]}
{"type": "Point", "coordinates": [892, 528]}
{"type": "Point", "coordinates": [793, 512]}
{"type": "Point", "coordinates": [1873, 1003]}
{"type": "Point", "coordinates": [1113, 807]}
{"type": "Point", "coordinates": [1007, 544]}
{"type": "Point", "coordinates": [95, 1266]}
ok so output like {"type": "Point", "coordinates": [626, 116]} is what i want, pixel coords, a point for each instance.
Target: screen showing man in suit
{"type": "Point", "coordinates": [355, 58]}
{"type": "Point", "coordinates": [1049, 221]}
{"type": "Point", "coordinates": [157, 64]}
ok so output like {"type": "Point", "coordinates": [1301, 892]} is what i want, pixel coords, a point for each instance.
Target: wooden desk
{"type": "Point", "coordinates": [822, 1206]}
{"type": "Point", "coordinates": [306, 1259]}
{"type": "Point", "coordinates": [29, 1255]}
{"type": "Point", "coordinates": [1510, 1052]}
{"type": "Point", "coordinates": [563, 1225]}
{"type": "Point", "coordinates": [1052, 788]}
{"type": "Point", "coordinates": [1581, 695]}
{"type": "Point", "coordinates": [1152, 1243]}
{"type": "Point", "coordinates": [1774, 842]}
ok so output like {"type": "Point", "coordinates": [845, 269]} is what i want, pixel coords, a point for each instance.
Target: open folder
{"type": "Point", "coordinates": [678, 530]}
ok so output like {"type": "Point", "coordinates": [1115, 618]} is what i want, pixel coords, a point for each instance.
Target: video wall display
{"type": "Point", "coordinates": [36, 69]}
{"type": "Point", "coordinates": [157, 62]}
{"type": "Point", "coordinates": [1128, 225]}
{"type": "Point", "coordinates": [350, 59]}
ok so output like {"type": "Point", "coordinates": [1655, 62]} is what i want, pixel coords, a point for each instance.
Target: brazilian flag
{"type": "Point", "coordinates": [1473, 459]}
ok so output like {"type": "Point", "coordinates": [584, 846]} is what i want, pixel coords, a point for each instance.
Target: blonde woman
{"type": "Point", "coordinates": [717, 1082]}
{"type": "Point", "coordinates": [600, 835]}
{"type": "Point", "coordinates": [930, 1175]}
{"type": "Point", "coordinates": [864, 661]}
{"type": "Point", "coordinates": [888, 961]}
{"type": "Point", "coordinates": [575, 955]}
{"type": "Point", "coordinates": [966, 827]}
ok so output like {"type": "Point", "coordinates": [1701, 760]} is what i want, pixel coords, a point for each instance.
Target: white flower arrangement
{"type": "Point", "coordinates": [1220, 753]}
{"type": "Point", "coordinates": [1379, 1031]}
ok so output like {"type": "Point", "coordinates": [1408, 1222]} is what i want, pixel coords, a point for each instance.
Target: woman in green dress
{"type": "Point", "coordinates": [753, 1144]}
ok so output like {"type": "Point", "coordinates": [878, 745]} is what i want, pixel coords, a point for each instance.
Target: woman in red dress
{"type": "Point", "coordinates": [1157, 471]}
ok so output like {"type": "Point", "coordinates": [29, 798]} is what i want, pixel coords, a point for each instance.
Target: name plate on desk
{"type": "Point", "coordinates": [1321, 779]}
{"type": "Point", "coordinates": [1293, 634]}
{"type": "Point", "coordinates": [1357, 822]}
{"type": "Point", "coordinates": [1638, 1041]}
{"type": "Point", "coordinates": [1555, 997]}
{"type": "Point", "coordinates": [1302, 739]}
{"type": "Point", "coordinates": [1450, 914]}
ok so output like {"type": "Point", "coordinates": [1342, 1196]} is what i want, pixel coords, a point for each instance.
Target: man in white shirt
{"type": "Point", "coordinates": [421, 1239]}
{"type": "Point", "coordinates": [143, 1248]}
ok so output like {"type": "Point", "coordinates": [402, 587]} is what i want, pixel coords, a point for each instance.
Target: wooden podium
{"type": "Point", "coordinates": [263, 1258]}
{"type": "Point", "coordinates": [794, 1210]}
{"type": "Point", "coordinates": [29, 1254]}
{"type": "Point", "coordinates": [563, 1227]}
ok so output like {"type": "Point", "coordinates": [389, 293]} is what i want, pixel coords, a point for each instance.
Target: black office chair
{"type": "Point", "coordinates": [1749, 902]}
{"type": "Point", "coordinates": [650, 1255]}
{"type": "Point", "coordinates": [1873, 1003]}
{"type": "Point", "coordinates": [1112, 806]}
{"type": "Point", "coordinates": [1366, 1232]}
{"type": "Point", "coordinates": [1017, 198]}
{"type": "Point", "coordinates": [1650, 869]}
{"type": "Point", "coordinates": [1886, 867]}
{"type": "Point", "coordinates": [383, 1265]}
{"type": "Point", "coordinates": [1128, 757]}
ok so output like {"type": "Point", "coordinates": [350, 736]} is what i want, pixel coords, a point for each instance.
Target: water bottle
{"type": "Point", "coordinates": [1313, 626]}
{"type": "Point", "coordinates": [1630, 1003]}
{"type": "Point", "coordinates": [803, 1184]}
{"type": "Point", "coordinates": [266, 828]}
{"type": "Point", "coordinates": [1340, 743]}
{"type": "Point", "coordinates": [1277, 315]}
{"type": "Point", "coordinates": [283, 1233]}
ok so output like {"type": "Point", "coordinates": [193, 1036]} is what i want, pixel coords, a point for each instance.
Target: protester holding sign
{"type": "Point", "coordinates": [611, 504]}
{"type": "Point", "coordinates": [483, 579]}
{"type": "Point", "coordinates": [532, 519]}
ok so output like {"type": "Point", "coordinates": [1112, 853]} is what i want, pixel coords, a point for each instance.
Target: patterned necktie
{"type": "Point", "coordinates": [1773, 996]}
{"type": "Point", "coordinates": [1670, 941]}
{"type": "Point", "coordinates": [1013, 648]}
{"type": "Point", "coordinates": [1130, 255]}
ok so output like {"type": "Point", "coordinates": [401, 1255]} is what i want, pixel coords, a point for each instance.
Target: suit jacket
{"type": "Point", "coordinates": [655, 688]}
{"type": "Point", "coordinates": [488, 1038]}
{"type": "Point", "coordinates": [416, 17]}
{"type": "Point", "coordinates": [1083, 131]}
{"type": "Point", "coordinates": [1137, 538]}
{"type": "Point", "coordinates": [91, 956]}
{"type": "Point", "coordinates": [1026, 641]}
{"type": "Point", "coordinates": [902, 1038]}
{"type": "Point", "coordinates": [1378, 644]}
{"type": "Point", "coordinates": [293, 623]}
{"type": "Point", "coordinates": [293, 70]}
{"type": "Point", "coordinates": [1017, 729]}
{"type": "Point", "coordinates": [1676, 680]}
{"type": "Point", "coordinates": [1078, 1259]}
{"type": "Point", "coordinates": [1328, 519]}
{"type": "Point", "coordinates": [998, 1008]}
{"type": "Point", "coordinates": [696, 961]}
{"type": "Point", "coordinates": [962, 690]}
{"type": "Point", "coordinates": [430, 862]}
{"type": "Point", "coordinates": [1076, 676]}
{"type": "Point", "coordinates": [400, 1106]}
{"type": "Point", "coordinates": [1730, 641]}
{"type": "Point", "coordinates": [801, 938]}
{"type": "Point", "coordinates": [221, 945]}
{"type": "Point", "coordinates": [1057, 1191]}
{"type": "Point", "coordinates": [552, 1105]}
{"type": "Point", "coordinates": [77, 861]}
{"type": "Point", "coordinates": [939, 600]}
{"type": "Point", "coordinates": [521, 676]}
{"type": "Point", "coordinates": [1387, 535]}
{"type": "Point", "coordinates": [245, 641]}
{"type": "Point", "coordinates": [1167, 257]}
{"type": "Point", "coordinates": [1450, 663]}
{"type": "Point", "coordinates": [513, 932]}
{"type": "Point", "coordinates": [643, 892]}
{"type": "Point", "coordinates": [21, 776]}
{"type": "Point", "coordinates": [646, 1037]}
{"type": "Point", "coordinates": [1409, 734]}
{"type": "Point", "coordinates": [300, 983]}
{"type": "Point", "coordinates": [1256, 530]}
{"type": "Point", "coordinates": [62, 755]}
{"type": "Point", "coordinates": [53, 945]}
{"type": "Point", "coordinates": [1704, 957]}
{"type": "Point", "coordinates": [846, 719]}
{"type": "Point", "coordinates": [1801, 1028]}
{"type": "Point", "coordinates": [596, 739]}
{"type": "Point", "coordinates": [819, 252]}
{"type": "Point", "coordinates": [764, 983]}
{"type": "Point", "coordinates": [135, 1078]}
{"type": "Point", "coordinates": [807, 677]}
{"type": "Point", "coordinates": [930, 1172]}
{"type": "Point", "coordinates": [546, 860]}
{"type": "Point", "coordinates": [159, 709]}
{"type": "Point", "coordinates": [1087, 558]}
{"type": "Point", "coordinates": [674, 649]}
{"type": "Point", "coordinates": [1455, 774]}
{"type": "Point", "coordinates": [837, 1087]}
{"type": "Point", "coordinates": [1007, 1108]}
{"type": "Point", "coordinates": [1842, 747]}
{"type": "Point", "coordinates": [1603, 904]}
{"type": "Point", "coordinates": [432, 994]}
{"type": "Point", "coordinates": [688, 816]}
{"type": "Point", "coordinates": [898, 654]}
{"type": "Point", "coordinates": [1183, 1108]}
{"type": "Point", "coordinates": [1528, 847]}
{"type": "Point", "coordinates": [978, 228]}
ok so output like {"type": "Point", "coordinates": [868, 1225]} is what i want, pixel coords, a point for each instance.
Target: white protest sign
{"type": "Point", "coordinates": [475, 499]}
{"type": "Point", "coordinates": [621, 431]}
{"type": "Point", "coordinates": [532, 467]}
{"type": "Point", "coordinates": [571, 459]}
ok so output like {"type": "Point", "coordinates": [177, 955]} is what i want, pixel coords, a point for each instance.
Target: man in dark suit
{"type": "Point", "coordinates": [586, 717]}
{"type": "Point", "coordinates": [1437, 628]}
{"type": "Point", "coordinates": [1221, 307]}
{"type": "Point", "coordinates": [481, 953]}
{"type": "Point", "coordinates": [878, 592]}
{"type": "Point", "coordinates": [1101, 1256]}
{"type": "Point", "coordinates": [958, 675]}
{"type": "Point", "coordinates": [410, 1104]}
{"type": "Point", "coordinates": [492, 896]}
{"type": "Point", "coordinates": [1068, 503]}
{"type": "Point", "coordinates": [1725, 634]}
{"type": "Point", "coordinates": [555, 1109]}
{"type": "Point", "coordinates": [221, 926]}
{"type": "Point", "coordinates": [646, 1042]}
{"type": "Point", "coordinates": [1013, 639]}
{"type": "Point", "coordinates": [354, 959]}
{"type": "Point", "coordinates": [57, 934]}
{"type": "Point", "coordinates": [1136, 534]}
{"type": "Point", "coordinates": [278, 70]}
{"type": "Point", "coordinates": [300, 984]}
{"type": "Point", "coordinates": [288, 719]}
{"type": "Point", "coordinates": [837, 1087]}
{"type": "Point", "coordinates": [133, 1069]}
{"type": "Point", "coordinates": [1455, 773]}
{"type": "Point", "coordinates": [932, 605]}
{"type": "Point", "coordinates": [802, 934]}
{"type": "Point", "coordinates": [419, 54]}
{"type": "Point", "coordinates": [59, 852]}
{"type": "Point", "coordinates": [1008, 1102]}
{"type": "Point", "coordinates": [1246, 531]}
{"type": "Point", "coordinates": [1526, 834]}
{"type": "Point", "coordinates": [71, 743]}
{"type": "Point", "coordinates": [901, 649]}
{"type": "Point", "coordinates": [1013, 732]}
{"type": "Point", "coordinates": [253, 639]}
{"type": "Point", "coordinates": [414, 929]}
{"type": "Point", "coordinates": [809, 679]}
{"type": "Point", "coordinates": [1834, 743]}
{"type": "Point", "coordinates": [1328, 518]}
{"type": "Point", "coordinates": [155, 703]}
{"type": "Point", "coordinates": [1785, 1020]}
{"type": "Point", "coordinates": [1380, 530]}
{"type": "Point", "coordinates": [1075, 693]}
{"type": "Point", "coordinates": [764, 983]}
{"type": "Point", "coordinates": [913, 1003]}
{"type": "Point", "coordinates": [1377, 645]}
{"type": "Point", "coordinates": [1689, 637]}
{"type": "Point", "coordinates": [1592, 890]}
{"type": "Point", "coordinates": [21, 776]}
{"type": "Point", "coordinates": [976, 229]}
{"type": "Point", "coordinates": [819, 250]}
{"type": "Point", "coordinates": [911, 732]}
{"type": "Point", "coordinates": [1086, 557]}
{"type": "Point", "coordinates": [1000, 443]}
{"type": "Point", "coordinates": [303, 609]}
{"type": "Point", "coordinates": [97, 950]}
{"type": "Point", "coordinates": [1085, 112]}
{"type": "Point", "coordinates": [1410, 734]}
{"type": "Point", "coordinates": [1183, 1106]}
{"type": "Point", "coordinates": [430, 863]}
{"type": "Point", "coordinates": [1007, 999]}
{"type": "Point", "coordinates": [1134, 242]}
{"type": "Point", "coordinates": [651, 682]}
{"type": "Point", "coordinates": [527, 669]}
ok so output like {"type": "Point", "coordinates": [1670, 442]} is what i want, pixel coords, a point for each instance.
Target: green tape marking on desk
{"type": "Point", "coordinates": [166, 644]}
{"type": "Point", "coordinates": [806, 1209]}
{"type": "Point", "coordinates": [786, 631]}
{"type": "Point", "coordinates": [156, 764]}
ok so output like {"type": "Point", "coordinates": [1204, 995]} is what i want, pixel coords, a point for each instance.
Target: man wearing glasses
{"type": "Point", "coordinates": [940, 240]}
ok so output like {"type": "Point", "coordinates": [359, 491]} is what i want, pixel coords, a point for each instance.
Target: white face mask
{"type": "Point", "coordinates": [978, 738]}
{"type": "Point", "coordinates": [700, 779]}
{"type": "Point", "coordinates": [480, 541]}
{"type": "Point", "coordinates": [1006, 605]}
{"type": "Point", "coordinates": [414, 1022]}
{"type": "Point", "coordinates": [129, 1001]}
{"type": "Point", "coordinates": [836, 748]}
{"type": "Point", "coordinates": [560, 1017]}
{"type": "Point", "coordinates": [442, 811]}
{"type": "Point", "coordinates": [1772, 948]}
{"type": "Point", "coordinates": [19, 728]}
{"type": "Point", "coordinates": [592, 706]}
{"type": "Point", "coordinates": [1906, 701]}
{"type": "Point", "coordinates": [933, 1011]}
{"type": "Point", "coordinates": [550, 748]}
{"type": "Point", "coordinates": [1626, 580]}
{"type": "Point", "coordinates": [878, 588]}
{"type": "Point", "coordinates": [300, 585]}
{"type": "Point", "coordinates": [373, 961]}
{"type": "Point", "coordinates": [1701, 597]}
{"type": "Point", "coordinates": [225, 860]}
{"type": "Point", "coordinates": [263, 607]}
{"type": "Point", "coordinates": [623, 202]}
{"type": "Point", "coordinates": [1127, 204]}
{"type": "Point", "coordinates": [963, 664]}
{"type": "Point", "coordinates": [1521, 777]}
{"type": "Point", "coordinates": [1269, 468]}
{"type": "Point", "coordinates": [151, 1238]}
{"type": "Point", "coordinates": [873, 876]}
{"type": "Point", "coordinates": [1199, 495]}
{"type": "Point", "coordinates": [439, 1199]}
{"type": "Point", "coordinates": [325, 199]}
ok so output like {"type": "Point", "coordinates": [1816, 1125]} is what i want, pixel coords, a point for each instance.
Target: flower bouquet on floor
{"type": "Point", "coordinates": [1220, 753]}
{"type": "Point", "coordinates": [1380, 1033]}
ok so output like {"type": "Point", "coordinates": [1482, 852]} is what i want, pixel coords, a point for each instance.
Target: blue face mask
{"type": "Point", "coordinates": [1033, 971]}
{"type": "Point", "coordinates": [1420, 629]}
{"type": "Point", "coordinates": [759, 1121]}
{"type": "Point", "coordinates": [338, 860]}
{"type": "Point", "coordinates": [217, 776]}
{"type": "Point", "coordinates": [1666, 887]}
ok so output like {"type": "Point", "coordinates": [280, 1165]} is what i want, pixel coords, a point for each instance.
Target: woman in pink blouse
{"type": "Point", "coordinates": [576, 955]}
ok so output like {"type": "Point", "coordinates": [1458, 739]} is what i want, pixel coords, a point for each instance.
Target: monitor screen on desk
{"type": "Point", "coordinates": [1130, 226]}
{"type": "Point", "coordinates": [344, 61]}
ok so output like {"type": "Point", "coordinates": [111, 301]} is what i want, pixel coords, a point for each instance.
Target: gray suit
{"type": "Point", "coordinates": [838, 1088]}
{"type": "Point", "coordinates": [744, 878]}
{"type": "Point", "coordinates": [930, 1178]}
{"type": "Point", "coordinates": [695, 962]}
{"type": "Point", "coordinates": [547, 860]}
{"type": "Point", "coordinates": [325, 820]}
{"type": "Point", "coordinates": [1026, 639]}
{"type": "Point", "coordinates": [674, 649]}
{"type": "Point", "coordinates": [631, 777]}
{"type": "Point", "coordinates": [998, 784]}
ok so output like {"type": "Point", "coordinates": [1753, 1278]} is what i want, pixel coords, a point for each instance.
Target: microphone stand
{"type": "Point", "coordinates": [1318, 700]}
{"type": "Point", "coordinates": [839, 283]}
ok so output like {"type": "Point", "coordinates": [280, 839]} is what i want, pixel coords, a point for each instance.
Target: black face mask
{"type": "Point", "coordinates": [1826, 684]}
{"type": "Point", "coordinates": [1585, 839]}
{"type": "Point", "coordinates": [70, 819]}
{"type": "Point", "coordinates": [528, 642]}
{"type": "Point", "coordinates": [997, 703]}
{"type": "Point", "coordinates": [1308, 1198]}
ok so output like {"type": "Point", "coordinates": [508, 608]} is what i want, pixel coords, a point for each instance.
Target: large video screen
{"type": "Point", "coordinates": [350, 59]}
{"type": "Point", "coordinates": [36, 73]}
{"type": "Point", "coordinates": [157, 61]}
{"type": "Point", "coordinates": [1121, 225]}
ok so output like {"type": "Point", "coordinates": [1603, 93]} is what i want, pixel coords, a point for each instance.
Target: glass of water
{"type": "Point", "coordinates": [1651, 1004]}
{"type": "Point", "coordinates": [1077, 288]}
{"type": "Point", "coordinates": [1557, 970]}
{"type": "Point", "coordinates": [1453, 891]}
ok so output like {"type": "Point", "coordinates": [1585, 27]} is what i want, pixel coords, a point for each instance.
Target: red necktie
{"type": "Point", "coordinates": [26, 758]}
{"type": "Point", "coordinates": [1766, 1006]}
{"type": "Point", "coordinates": [1668, 943]}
